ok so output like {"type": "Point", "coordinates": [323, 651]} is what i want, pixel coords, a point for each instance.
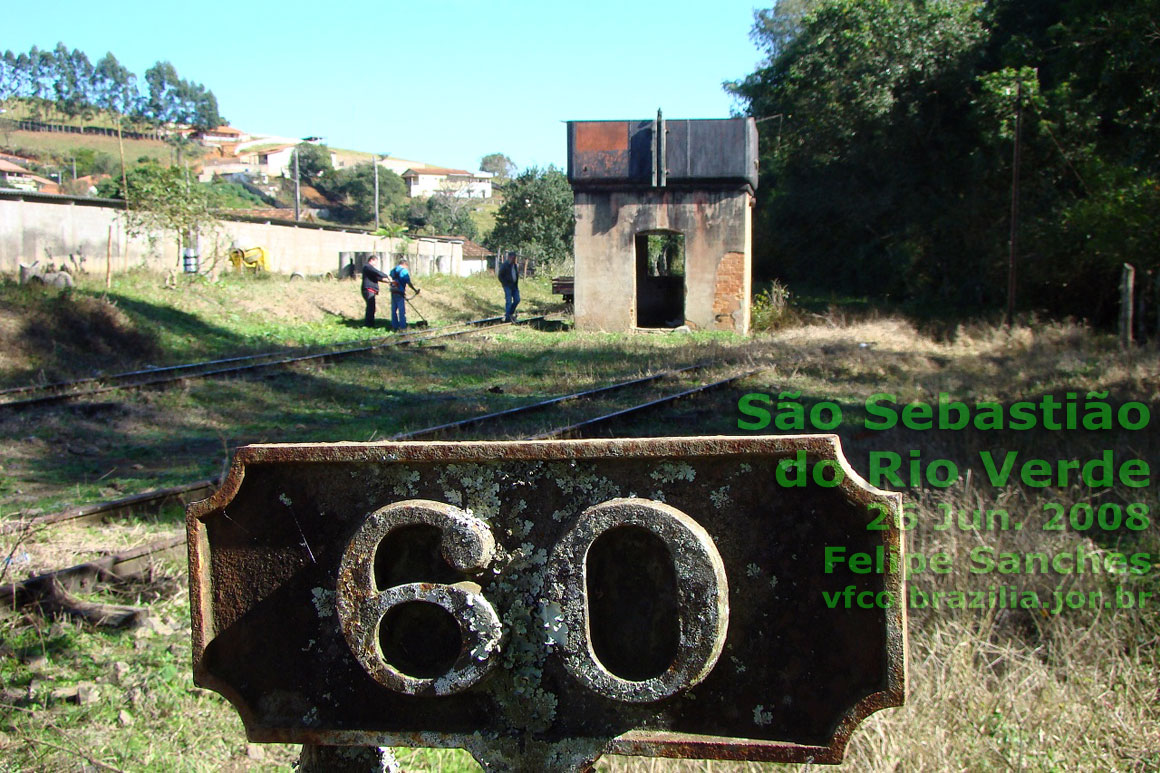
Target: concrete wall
{"type": "Point", "coordinates": [718, 254]}
{"type": "Point", "coordinates": [297, 249]}
{"type": "Point", "coordinates": [30, 225]}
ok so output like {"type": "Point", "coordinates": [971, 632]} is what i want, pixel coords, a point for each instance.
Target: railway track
{"type": "Point", "coordinates": [34, 588]}
{"type": "Point", "coordinates": [526, 409]}
{"type": "Point", "coordinates": [37, 394]}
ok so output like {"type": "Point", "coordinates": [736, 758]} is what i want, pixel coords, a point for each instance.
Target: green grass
{"type": "Point", "coordinates": [60, 146]}
{"type": "Point", "coordinates": [484, 214]}
{"type": "Point", "coordinates": [140, 321]}
{"type": "Point", "coordinates": [235, 196]}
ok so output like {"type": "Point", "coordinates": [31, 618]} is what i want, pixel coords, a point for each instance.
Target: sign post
{"type": "Point", "coordinates": [543, 603]}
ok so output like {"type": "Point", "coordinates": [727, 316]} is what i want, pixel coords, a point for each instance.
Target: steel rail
{"type": "Point", "coordinates": [641, 407]}
{"type": "Point", "coordinates": [101, 509]}
{"type": "Point", "coordinates": [408, 338]}
{"type": "Point", "coordinates": [11, 591]}
{"type": "Point", "coordinates": [540, 405]}
{"type": "Point", "coordinates": [146, 498]}
{"type": "Point", "coordinates": [207, 363]}
{"type": "Point", "coordinates": [106, 567]}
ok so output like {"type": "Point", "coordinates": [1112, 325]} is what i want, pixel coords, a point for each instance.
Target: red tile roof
{"type": "Point", "coordinates": [9, 167]}
{"type": "Point", "coordinates": [473, 250]}
{"type": "Point", "coordinates": [437, 171]}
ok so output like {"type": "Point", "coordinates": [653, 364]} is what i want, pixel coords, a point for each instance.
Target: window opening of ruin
{"type": "Point", "coordinates": [660, 278]}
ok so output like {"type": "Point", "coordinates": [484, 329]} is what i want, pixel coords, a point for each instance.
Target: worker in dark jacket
{"type": "Point", "coordinates": [371, 276]}
{"type": "Point", "coordinates": [509, 276]}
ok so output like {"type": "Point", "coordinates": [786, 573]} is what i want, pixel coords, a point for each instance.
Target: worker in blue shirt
{"type": "Point", "coordinates": [400, 278]}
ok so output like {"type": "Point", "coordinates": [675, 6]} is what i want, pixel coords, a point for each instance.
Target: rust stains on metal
{"type": "Point", "coordinates": [481, 595]}
{"type": "Point", "coordinates": [601, 135]}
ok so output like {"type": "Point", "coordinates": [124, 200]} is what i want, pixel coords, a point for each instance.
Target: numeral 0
{"type": "Point", "coordinates": [702, 590]}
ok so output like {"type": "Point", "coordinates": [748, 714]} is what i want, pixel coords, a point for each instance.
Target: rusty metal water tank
{"type": "Point", "coordinates": [700, 153]}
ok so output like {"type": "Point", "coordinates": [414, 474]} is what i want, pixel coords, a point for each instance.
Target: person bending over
{"type": "Point", "coordinates": [400, 278]}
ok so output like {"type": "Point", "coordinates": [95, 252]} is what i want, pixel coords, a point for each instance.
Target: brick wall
{"type": "Point", "coordinates": [729, 292]}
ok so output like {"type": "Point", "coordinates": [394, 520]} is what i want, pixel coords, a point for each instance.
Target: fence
{"type": "Point", "coordinates": [39, 126]}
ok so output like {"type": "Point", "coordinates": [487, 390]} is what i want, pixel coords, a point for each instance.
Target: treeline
{"type": "Point", "coordinates": [68, 84]}
{"type": "Point", "coordinates": [888, 131]}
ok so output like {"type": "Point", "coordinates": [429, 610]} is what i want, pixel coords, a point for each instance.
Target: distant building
{"type": "Point", "coordinates": [476, 258]}
{"type": "Point", "coordinates": [222, 135]}
{"type": "Point", "coordinates": [19, 178]}
{"type": "Point", "coordinates": [663, 212]}
{"type": "Point", "coordinates": [18, 160]}
{"type": "Point", "coordinates": [270, 156]}
{"type": "Point", "coordinates": [275, 160]}
{"type": "Point", "coordinates": [223, 167]}
{"type": "Point", "coordinates": [456, 182]}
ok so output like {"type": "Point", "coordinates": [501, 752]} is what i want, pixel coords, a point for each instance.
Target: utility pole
{"type": "Point", "coordinates": [375, 158]}
{"type": "Point", "coordinates": [297, 187]}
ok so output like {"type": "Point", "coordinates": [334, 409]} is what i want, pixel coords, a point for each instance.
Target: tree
{"type": "Point", "coordinates": [161, 100]}
{"type": "Point", "coordinates": [72, 81]}
{"type": "Point", "coordinates": [115, 90]}
{"type": "Point", "coordinates": [10, 76]}
{"type": "Point", "coordinates": [1091, 199]}
{"type": "Point", "coordinates": [115, 87]}
{"type": "Point", "coordinates": [442, 214]}
{"type": "Point", "coordinates": [866, 141]}
{"type": "Point", "coordinates": [775, 28]}
{"type": "Point", "coordinates": [313, 163]}
{"type": "Point", "coordinates": [163, 200]}
{"type": "Point", "coordinates": [353, 190]}
{"type": "Point", "coordinates": [37, 68]}
{"type": "Point", "coordinates": [887, 145]}
{"type": "Point", "coordinates": [536, 219]}
{"type": "Point", "coordinates": [174, 100]}
{"type": "Point", "coordinates": [498, 164]}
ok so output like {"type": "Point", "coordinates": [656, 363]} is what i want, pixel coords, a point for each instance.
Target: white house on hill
{"type": "Point", "coordinates": [457, 182]}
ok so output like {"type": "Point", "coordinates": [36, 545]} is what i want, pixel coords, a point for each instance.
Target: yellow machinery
{"type": "Point", "coordinates": [253, 258]}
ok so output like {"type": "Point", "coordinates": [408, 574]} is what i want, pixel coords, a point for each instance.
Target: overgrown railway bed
{"type": "Point", "coordinates": [52, 588]}
{"type": "Point", "coordinates": [39, 394]}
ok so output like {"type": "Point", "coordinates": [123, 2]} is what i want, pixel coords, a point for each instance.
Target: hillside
{"type": "Point", "coordinates": [54, 155]}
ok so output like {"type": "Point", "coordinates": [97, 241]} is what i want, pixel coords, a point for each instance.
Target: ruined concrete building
{"type": "Point", "coordinates": [663, 222]}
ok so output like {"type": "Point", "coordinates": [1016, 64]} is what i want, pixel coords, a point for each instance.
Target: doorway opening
{"type": "Point", "coordinates": [660, 279]}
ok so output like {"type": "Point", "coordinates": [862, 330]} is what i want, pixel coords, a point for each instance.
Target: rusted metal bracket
{"type": "Point", "coordinates": [543, 603]}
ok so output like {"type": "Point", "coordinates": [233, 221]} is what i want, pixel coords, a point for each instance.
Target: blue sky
{"type": "Point", "coordinates": [439, 81]}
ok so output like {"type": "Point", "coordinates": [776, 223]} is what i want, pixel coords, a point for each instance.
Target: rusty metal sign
{"type": "Point", "coordinates": [542, 603]}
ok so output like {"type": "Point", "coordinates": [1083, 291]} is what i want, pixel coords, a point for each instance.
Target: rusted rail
{"type": "Point", "coordinates": [146, 500]}
{"type": "Point", "coordinates": [68, 390]}
{"type": "Point", "coordinates": [560, 431]}
{"type": "Point", "coordinates": [141, 501]}
{"type": "Point", "coordinates": [523, 409]}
